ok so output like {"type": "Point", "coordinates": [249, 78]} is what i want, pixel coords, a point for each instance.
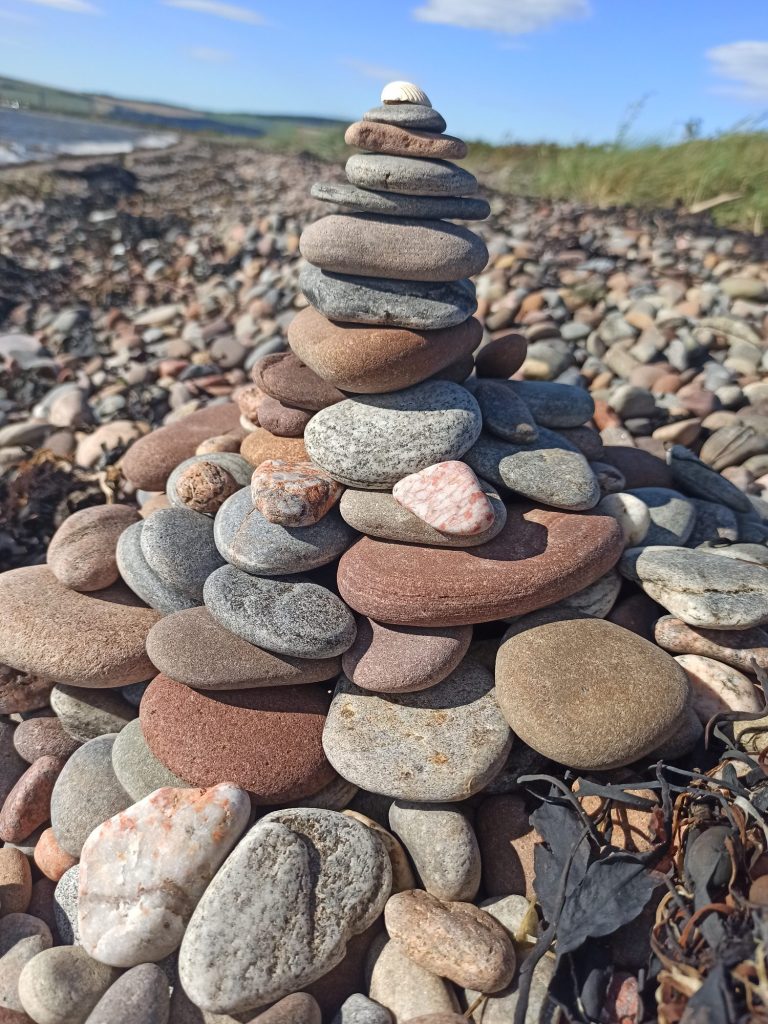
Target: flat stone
{"type": "Point", "coordinates": [504, 413]}
{"type": "Point", "coordinates": [15, 881]}
{"type": "Point", "coordinates": [406, 249]}
{"type": "Point", "coordinates": [378, 137]}
{"type": "Point", "coordinates": [283, 376]}
{"type": "Point", "coordinates": [329, 877]}
{"type": "Point", "coordinates": [580, 712]}
{"type": "Point", "coordinates": [442, 845]}
{"type": "Point", "coordinates": [550, 471]}
{"type": "Point", "coordinates": [407, 115]}
{"type": "Point", "coordinates": [86, 714]}
{"type": "Point", "coordinates": [379, 514]}
{"type": "Point", "coordinates": [375, 359]}
{"type": "Point", "coordinates": [147, 584]}
{"type": "Point", "coordinates": [403, 659]}
{"type": "Point", "coordinates": [359, 1009]}
{"type": "Point", "coordinates": [140, 996]}
{"type": "Point", "coordinates": [150, 460]}
{"type": "Point", "coordinates": [27, 806]}
{"type": "Point", "coordinates": [171, 844]}
{"type": "Point", "coordinates": [404, 987]}
{"type": "Point", "coordinates": [62, 985]}
{"type": "Point", "coordinates": [455, 940]}
{"type": "Point", "coordinates": [373, 441]}
{"type": "Point", "coordinates": [233, 465]}
{"type": "Point", "coordinates": [293, 493]}
{"type": "Point", "coordinates": [672, 516]}
{"type": "Point", "coordinates": [392, 204]}
{"type": "Point", "coordinates": [267, 741]}
{"type": "Point", "coordinates": [554, 405]}
{"type": "Point", "coordinates": [697, 478]}
{"type": "Point", "coordinates": [86, 794]}
{"type": "Point", "coordinates": [703, 590]}
{"type": "Point", "coordinates": [746, 650]}
{"type": "Point", "coordinates": [281, 419]}
{"type": "Point", "coordinates": [81, 554]}
{"type": "Point", "coordinates": [42, 737]}
{"type": "Point", "coordinates": [94, 639]}
{"type": "Point", "coordinates": [716, 688]}
{"type": "Point", "coordinates": [441, 744]}
{"type": "Point", "coordinates": [539, 557]}
{"type": "Point", "coordinates": [419, 305]}
{"type": "Point", "coordinates": [255, 545]}
{"type": "Point", "coordinates": [297, 618]}
{"type": "Point", "coordinates": [755, 553]}
{"type": "Point", "coordinates": [409, 175]}
{"type": "Point", "coordinates": [260, 445]}
{"type": "Point", "coordinates": [179, 547]}
{"type": "Point", "coordinates": [448, 497]}
{"type": "Point", "coordinates": [192, 647]}
{"type": "Point", "coordinates": [135, 766]}
{"type": "Point", "coordinates": [630, 512]}
{"type": "Point", "coordinates": [501, 357]}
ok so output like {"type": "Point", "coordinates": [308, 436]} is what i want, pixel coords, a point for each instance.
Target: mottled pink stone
{"type": "Point", "coordinates": [293, 493]}
{"type": "Point", "coordinates": [448, 496]}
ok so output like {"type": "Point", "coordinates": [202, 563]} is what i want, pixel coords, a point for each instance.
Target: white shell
{"type": "Point", "coordinates": [404, 92]}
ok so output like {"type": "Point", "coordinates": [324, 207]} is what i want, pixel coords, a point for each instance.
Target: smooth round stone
{"type": "Point", "coordinates": [420, 305]}
{"type": "Point", "coordinates": [326, 879]}
{"type": "Point", "coordinates": [268, 740]}
{"type": "Point", "coordinates": [27, 806]}
{"type": "Point", "coordinates": [438, 745]}
{"type": "Point", "coordinates": [407, 249]}
{"type": "Point", "coordinates": [22, 937]}
{"type": "Point", "coordinates": [390, 204]}
{"type": "Point", "coordinates": [371, 442]}
{"type": "Point", "coordinates": [281, 419]}
{"type": "Point", "coordinates": [142, 578]}
{"type": "Point", "coordinates": [140, 996]}
{"type": "Point", "coordinates": [630, 512]}
{"type": "Point", "coordinates": [701, 589]}
{"type": "Point", "coordinates": [192, 647]}
{"type": "Point", "coordinates": [235, 465]}
{"type": "Point", "coordinates": [135, 766]}
{"type": "Point", "coordinates": [86, 714]}
{"type": "Point", "coordinates": [501, 357]}
{"type": "Point", "coordinates": [403, 659]}
{"type": "Point", "coordinates": [370, 360]}
{"type": "Point", "coordinates": [746, 650]}
{"type": "Point", "coordinates": [716, 687]}
{"type": "Point", "coordinates": [297, 618]}
{"type": "Point", "coordinates": [94, 639]}
{"type": "Point", "coordinates": [442, 845]}
{"type": "Point", "coordinates": [408, 115]}
{"type": "Point", "coordinates": [86, 794]}
{"type": "Point", "coordinates": [43, 737]}
{"type": "Point", "coordinates": [550, 471]}
{"type": "Point", "coordinates": [62, 985]}
{"type": "Point", "coordinates": [409, 175]}
{"type": "Point", "coordinates": [404, 987]}
{"type": "Point", "coordinates": [538, 558]}
{"type": "Point", "coordinates": [378, 137]}
{"type": "Point", "coordinates": [504, 414]}
{"type": "Point", "coordinates": [52, 861]}
{"type": "Point", "coordinates": [260, 445]}
{"type": "Point", "coordinates": [179, 547]}
{"type": "Point", "coordinates": [554, 405]}
{"type": "Point", "coordinates": [359, 1009]}
{"type": "Point", "coordinates": [378, 514]}
{"type": "Point", "coordinates": [150, 460]}
{"type": "Point", "coordinates": [559, 690]}
{"type": "Point", "coordinates": [81, 554]}
{"type": "Point", "coordinates": [672, 515]}
{"type": "Point", "coordinates": [250, 542]}
{"type": "Point", "coordinates": [283, 376]}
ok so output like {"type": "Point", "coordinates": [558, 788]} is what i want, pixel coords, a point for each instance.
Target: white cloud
{"type": "Point", "coordinates": [745, 66]}
{"type": "Point", "coordinates": [71, 6]}
{"type": "Point", "coordinates": [375, 71]}
{"type": "Point", "coordinates": [229, 11]}
{"type": "Point", "coordinates": [209, 55]}
{"type": "Point", "coordinates": [514, 17]}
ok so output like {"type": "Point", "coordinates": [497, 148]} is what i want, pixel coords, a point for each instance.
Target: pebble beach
{"type": "Point", "coordinates": [383, 593]}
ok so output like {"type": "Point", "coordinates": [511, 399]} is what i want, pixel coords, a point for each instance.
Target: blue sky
{"type": "Point", "coordinates": [497, 69]}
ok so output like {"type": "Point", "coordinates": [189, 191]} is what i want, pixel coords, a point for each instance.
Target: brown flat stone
{"type": "Point", "coordinates": [281, 419]}
{"type": "Point", "coordinates": [260, 445]}
{"type": "Point", "coordinates": [191, 647]}
{"type": "Point", "coordinates": [269, 741]}
{"type": "Point", "coordinates": [42, 737]}
{"type": "Point", "coordinates": [539, 557]}
{"type": "Point", "coordinates": [639, 468]}
{"type": "Point", "coordinates": [285, 377]}
{"type": "Point", "coordinates": [87, 640]}
{"type": "Point", "coordinates": [501, 357]}
{"type": "Point", "coordinates": [28, 805]}
{"type": "Point", "coordinates": [376, 359]}
{"type": "Point", "coordinates": [82, 551]}
{"type": "Point", "coordinates": [149, 462]}
{"type": "Point", "coordinates": [378, 137]}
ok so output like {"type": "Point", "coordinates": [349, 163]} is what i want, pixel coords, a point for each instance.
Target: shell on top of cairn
{"type": "Point", "coordinates": [404, 92]}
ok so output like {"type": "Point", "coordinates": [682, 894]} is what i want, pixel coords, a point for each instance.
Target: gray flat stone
{"type": "Point", "coordinates": [391, 204]}
{"type": "Point", "coordinates": [250, 542]}
{"type": "Point", "coordinates": [672, 516]}
{"type": "Point", "coordinates": [422, 305]}
{"type": "Point", "coordinates": [143, 580]}
{"type": "Point", "coordinates": [554, 405]}
{"type": "Point", "coordinates": [140, 996]}
{"type": "Point", "coordinates": [86, 714]}
{"type": "Point", "coordinates": [293, 617]}
{"type": "Point", "coordinates": [135, 766]}
{"type": "Point", "coordinates": [442, 845]}
{"type": "Point", "coordinates": [178, 546]}
{"type": "Point", "coordinates": [697, 478]}
{"type": "Point", "coordinates": [410, 175]}
{"type": "Point", "coordinates": [62, 985]}
{"type": "Point", "coordinates": [505, 414]}
{"type": "Point", "coordinates": [408, 115]}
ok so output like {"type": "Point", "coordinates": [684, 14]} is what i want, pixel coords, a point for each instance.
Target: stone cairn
{"type": "Point", "coordinates": [365, 856]}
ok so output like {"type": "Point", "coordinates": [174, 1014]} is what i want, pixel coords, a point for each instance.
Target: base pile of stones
{"type": "Point", "coordinates": [294, 692]}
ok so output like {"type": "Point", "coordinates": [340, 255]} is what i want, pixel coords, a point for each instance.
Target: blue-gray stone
{"type": "Point", "coordinates": [415, 176]}
{"type": "Point", "coordinates": [504, 413]}
{"type": "Point", "coordinates": [673, 516]}
{"type": "Point", "coordinates": [555, 405]}
{"type": "Point", "coordinates": [408, 115]}
{"type": "Point", "coordinates": [179, 547]}
{"type": "Point", "coordinates": [142, 579]}
{"type": "Point", "coordinates": [392, 204]}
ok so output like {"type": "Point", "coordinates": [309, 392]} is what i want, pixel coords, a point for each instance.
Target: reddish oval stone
{"type": "Point", "coordinates": [50, 858]}
{"type": "Point", "coordinates": [28, 804]}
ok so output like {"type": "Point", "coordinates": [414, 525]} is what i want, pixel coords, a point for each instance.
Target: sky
{"type": "Point", "coordinates": [502, 70]}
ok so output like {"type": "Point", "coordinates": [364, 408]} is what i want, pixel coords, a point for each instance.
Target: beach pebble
{"type": "Point", "coordinates": [140, 996]}
{"type": "Point", "coordinates": [86, 714]}
{"type": "Point", "coordinates": [554, 405]}
{"type": "Point", "coordinates": [260, 445]}
{"type": "Point", "coordinates": [359, 1009]}
{"type": "Point", "coordinates": [147, 584]}
{"type": "Point", "coordinates": [21, 938]}
{"type": "Point", "coordinates": [697, 478]}
{"type": "Point", "coordinates": [672, 515]}
{"type": "Point", "coordinates": [630, 512]}
{"type": "Point", "coordinates": [281, 419]}
{"type": "Point", "coordinates": [596, 600]}
{"type": "Point", "coordinates": [394, 204]}
{"type": "Point", "coordinates": [505, 415]}
{"type": "Point", "coordinates": [408, 115]}
{"type": "Point", "coordinates": [15, 882]}
{"type": "Point", "coordinates": [293, 493]}
{"type": "Point", "coordinates": [50, 858]}
{"type": "Point", "coordinates": [81, 554]}
{"type": "Point", "coordinates": [283, 376]}
{"type": "Point", "coordinates": [409, 175]}
{"type": "Point", "coordinates": [442, 744]}
{"type": "Point", "coordinates": [442, 845]}
{"type": "Point", "coordinates": [402, 874]}
{"type": "Point", "coordinates": [325, 870]}
{"type": "Point", "coordinates": [500, 1007]}
{"type": "Point", "coordinates": [714, 523]}
{"type": "Point", "coordinates": [379, 137]}
{"type": "Point", "coordinates": [298, 1008]}
{"type": "Point", "coordinates": [27, 806]}
{"type": "Point", "coordinates": [43, 737]}
{"type": "Point", "coordinates": [65, 906]}
{"type": "Point", "coordinates": [716, 687]}
{"type": "Point", "coordinates": [204, 487]}
{"type": "Point", "coordinates": [501, 357]}
{"type": "Point", "coordinates": [135, 766]}
{"type": "Point", "coordinates": [404, 987]}
{"type": "Point", "coordinates": [746, 650]}
{"type": "Point", "coordinates": [179, 547]}
{"type": "Point", "coordinates": [507, 842]}
{"type": "Point", "coordinates": [62, 985]}
{"type": "Point", "coordinates": [448, 497]}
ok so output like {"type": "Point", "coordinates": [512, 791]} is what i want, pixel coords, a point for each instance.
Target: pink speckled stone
{"type": "Point", "coordinates": [448, 496]}
{"type": "Point", "coordinates": [293, 493]}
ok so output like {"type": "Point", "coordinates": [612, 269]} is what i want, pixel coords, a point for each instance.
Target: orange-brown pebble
{"type": "Point", "coordinates": [28, 804]}
{"type": "Point", "coordinates": [205, 486]}
{"type": "Point", "coordinates": [219, 443]}
{"type": "Point", "coordinates": [15, 881]}
{"type": "Point", "coordinates": [50, 858]}
{"type": "Point", "coordinates": [260, 445]}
